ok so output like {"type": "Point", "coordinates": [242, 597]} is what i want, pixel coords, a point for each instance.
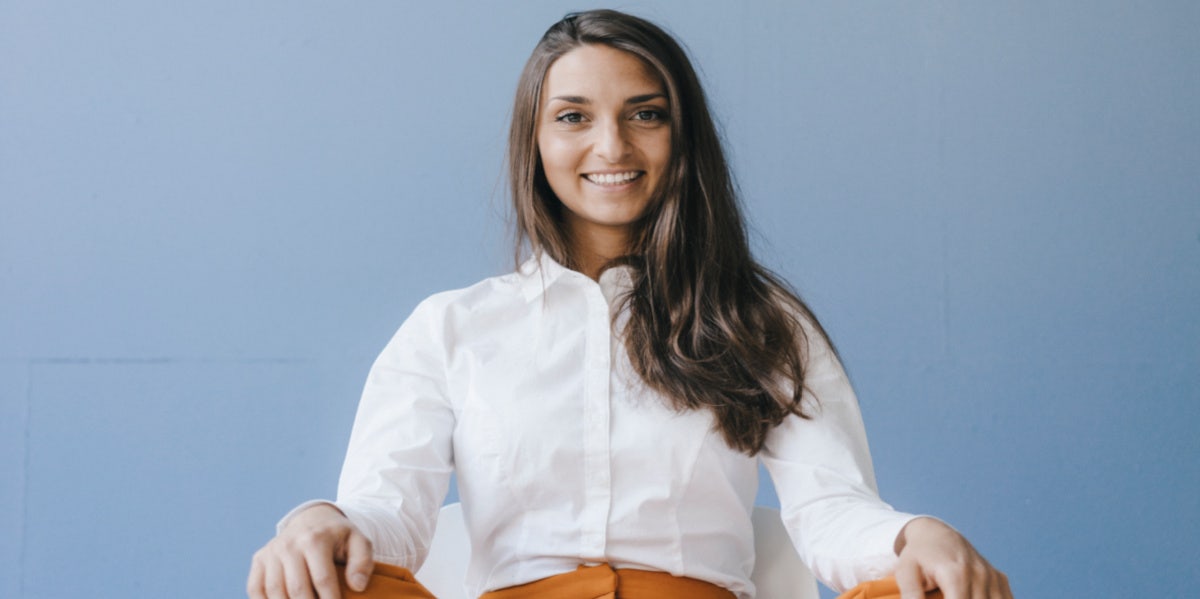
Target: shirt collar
{"type": "Point", "coordinates": [541, 271]}
{"type": "Point", "coordinates": [538, 273]}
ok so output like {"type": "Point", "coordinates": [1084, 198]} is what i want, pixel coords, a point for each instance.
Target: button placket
{"type": "Point", "coordinates": [597, 459]}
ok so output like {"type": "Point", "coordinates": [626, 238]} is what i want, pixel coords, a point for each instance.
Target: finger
{"type": "Point", "coordinates": [1005, 590]}
{"type": "Point", "coordinates": [984, 581]}
{"type": "Point", "coordinates": [953, 586]}
{"type": "Point", "coordinates": [974, 586]}
{"type": "Point", "coordinates": [254, 582]}
{"type": "Point", "coordinates": [324, 576]}
{"type": "Point", "coordinates": [273, 580]}
{"type": "Point", "coordinates": [296, 578]}
{"type": "Point", "coordinates": [910, 581]}
{"type": "Point", "coordinates": [360, 561]}
{"type": "Point", "coordinates": [973, 582]}
{"type": "Point", "coordinates": [994, 588]}
{"type": "Point", "coordinates": [991, 586]}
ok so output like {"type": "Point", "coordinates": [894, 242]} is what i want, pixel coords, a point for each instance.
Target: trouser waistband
{"type": "Point", "coordinates": [604, 582]}
{"type": "Point", "coordinates": [586, 582]}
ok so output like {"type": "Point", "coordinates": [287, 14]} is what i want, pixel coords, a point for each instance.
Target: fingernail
{"type": "Point", "coordinates": [359, 581]}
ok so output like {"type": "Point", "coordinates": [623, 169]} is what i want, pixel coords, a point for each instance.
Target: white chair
{"type": "Point", "coordinates": [778, 571]}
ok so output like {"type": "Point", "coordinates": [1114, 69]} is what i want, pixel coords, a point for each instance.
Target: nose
{"type": "Point", "coordinates": [611, 143]}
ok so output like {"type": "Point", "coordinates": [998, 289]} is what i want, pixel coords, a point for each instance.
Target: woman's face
{"type": "Point", "coordinates": [604, 137]}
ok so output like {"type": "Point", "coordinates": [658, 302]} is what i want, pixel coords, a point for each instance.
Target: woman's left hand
{"type": "Point", "coordinates": [933, 555]}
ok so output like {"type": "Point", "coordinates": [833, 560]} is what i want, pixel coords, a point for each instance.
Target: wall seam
{"type": "Point", "coordinates": [26, 425]}
{"type": "Point", "coordinates": [946, 202]}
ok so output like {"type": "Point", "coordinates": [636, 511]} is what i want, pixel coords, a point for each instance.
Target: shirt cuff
{"type": "Point", "coordinates": [871, 555]}
{"type": "Point", "coordinates": [885, 564]}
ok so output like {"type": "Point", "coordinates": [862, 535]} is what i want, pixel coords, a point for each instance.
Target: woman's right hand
{"type": "Point", "coordinates": [300, 559]}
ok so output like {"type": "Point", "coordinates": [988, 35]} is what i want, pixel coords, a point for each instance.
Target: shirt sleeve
{"type": "Point", "coordinates": [398, 464]}
{"type": "Point", "coordinates": [822, 472]}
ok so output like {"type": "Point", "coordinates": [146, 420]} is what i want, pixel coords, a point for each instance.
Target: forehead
{"type": "Point", "coordinates": [598, 72]}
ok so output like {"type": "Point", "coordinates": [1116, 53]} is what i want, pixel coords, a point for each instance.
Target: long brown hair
{"type": "Point", "coordinates": [709, 327]}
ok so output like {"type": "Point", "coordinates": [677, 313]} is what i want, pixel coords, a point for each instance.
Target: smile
{"type": "Point", "coordinates": [613, 178]}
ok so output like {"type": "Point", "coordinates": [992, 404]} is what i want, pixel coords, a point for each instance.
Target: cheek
{"type": "Point", "coordinates": [558, 160]}
{"type": "Point", "coordinates": [664, 155]}
{"type": "Point", "coordinates": [657, 151]}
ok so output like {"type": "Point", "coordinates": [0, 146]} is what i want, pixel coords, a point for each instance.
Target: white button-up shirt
{"type": "Point", "coordinates": [564, 457]}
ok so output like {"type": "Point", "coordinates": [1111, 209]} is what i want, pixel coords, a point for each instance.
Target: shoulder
{"type": "Point", "coordinates": [809, 333]}
{"type": "Point", "coordinates": [482, 297]}
{"type": "Point", "coordinates": [820, 357]}
{"type": "Point", "coordinates": [492, 290]}
{"type": "Point", "coordinates": [444, 318]}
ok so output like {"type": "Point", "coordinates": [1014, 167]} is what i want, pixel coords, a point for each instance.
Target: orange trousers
{"type": "Point", "coordinates": [603, 582]}
{"type": "Point", "coordinates": [590, 582]}
{"type": "Point", "coordinates": [587, 582]}
{"type": "Point", "coordinates": [884, 588]}
{"type": "Point", "coordinates": [387, 582]}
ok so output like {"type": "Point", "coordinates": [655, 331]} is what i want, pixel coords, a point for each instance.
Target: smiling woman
{"type": "Point", "coordinates": [605, 407]}
{"type": "Point", "coordinates": [605, 141]}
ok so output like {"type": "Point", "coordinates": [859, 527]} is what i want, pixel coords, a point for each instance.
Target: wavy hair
{"type": "Point", "coordinates": [709, 327]}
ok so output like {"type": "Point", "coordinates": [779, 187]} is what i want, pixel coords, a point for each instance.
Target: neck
{"type": "Point", "coordinates": [592, 248]}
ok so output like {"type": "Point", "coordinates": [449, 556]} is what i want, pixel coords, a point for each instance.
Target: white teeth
{"type": "Point", "coordinates": [612, 178]}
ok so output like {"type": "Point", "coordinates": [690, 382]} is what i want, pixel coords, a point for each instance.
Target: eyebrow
{"type": "Point", "coordinates": [632, 100]}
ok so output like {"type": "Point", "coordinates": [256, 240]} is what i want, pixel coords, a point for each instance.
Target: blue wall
{"type": "Point", "coordinates": [213, 215]}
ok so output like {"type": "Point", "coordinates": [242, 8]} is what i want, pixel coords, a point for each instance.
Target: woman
{"type": "Point", "coordinates": [605, 405]}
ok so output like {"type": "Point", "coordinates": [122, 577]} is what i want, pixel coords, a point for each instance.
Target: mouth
{"type": "Point", "coordinates": [613, 179]}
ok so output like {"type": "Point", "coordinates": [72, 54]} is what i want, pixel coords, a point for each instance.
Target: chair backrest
{"type": "Point", "coordinates": [778, 571]}
{"type": "Point", "coordinates": [445, 568]}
